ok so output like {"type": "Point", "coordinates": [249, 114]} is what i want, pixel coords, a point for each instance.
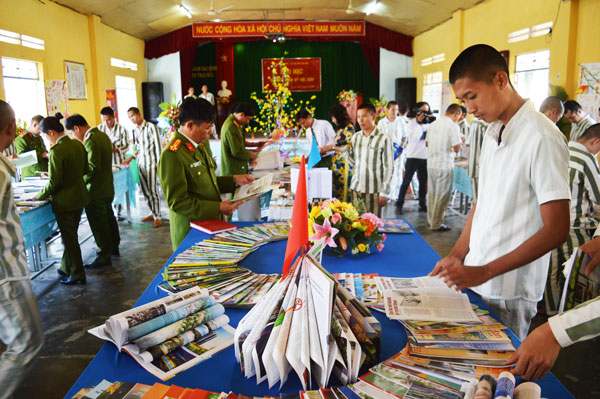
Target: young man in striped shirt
{"type": "Point", "coordinates": [20, 326]}
{"type": "Point", "coordinates": [580, 120]}
{"type": "Point", "coordinates": [372, 156]}
{"type": "Point", "coordinates": [584, 176]}
{"type": "Point", "coordinates": [522, 208]}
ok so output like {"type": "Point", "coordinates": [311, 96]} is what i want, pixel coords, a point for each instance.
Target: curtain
{"type": "Point", "coordinates": [225, 65]}
{"type": "Point", "coordinates": [186, 63]}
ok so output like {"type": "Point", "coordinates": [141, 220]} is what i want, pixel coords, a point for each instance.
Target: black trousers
{"type": "Point", "coordinates": [414, 165]}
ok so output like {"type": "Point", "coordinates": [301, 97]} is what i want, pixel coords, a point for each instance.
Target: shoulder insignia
{"type": "Point", "coordinates": [175, 146]}
{"type": "Point", "coordinates": [190, 147]}
{"type": "Point", "coordinates": [30, 134]}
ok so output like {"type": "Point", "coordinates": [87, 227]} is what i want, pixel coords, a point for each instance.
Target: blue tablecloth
{"type": "Point", "coordinates": [404, 255]}
{"type": "Point", "coordinates": [461, 181]}
{"type": "Point", "coordinates": [37, 225]}
{"type": "Point", "coordinates": [124, 183]}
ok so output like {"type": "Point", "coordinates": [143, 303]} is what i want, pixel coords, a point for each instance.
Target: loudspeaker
{"type": "Point", "coordinates": [152, 96]}
{"type": "Point", "coordinates": [406, 91]}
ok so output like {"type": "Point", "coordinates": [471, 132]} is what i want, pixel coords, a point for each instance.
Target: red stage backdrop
{"type": "Point", "coordinates": [305, 73]}
{"type": "Point", "coordinates": [291, 28]}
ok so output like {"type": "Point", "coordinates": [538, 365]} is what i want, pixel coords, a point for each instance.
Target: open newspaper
{"type": "Point", "coordinates": [307, 324]}
{"type": "Point", "coordinates": [424, 298]}
{"type": "Point", "coordinates": [26, 159]}
{"type": "Point", "coordinates": [253, 189]}
{"type": "Point", "coordinates": [268, 160]}
{"type": "Point", "coordinates": [172, 334]}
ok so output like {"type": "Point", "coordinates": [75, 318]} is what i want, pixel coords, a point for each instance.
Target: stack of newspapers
{"type": "Point", "coordinates": [212, 264]}
{"type": "Point", "coordinates": [309, 324]}
{"type": "Point", "coordinates": [363, 286]}
{"type": "Point", "coordinates": [171, 334]}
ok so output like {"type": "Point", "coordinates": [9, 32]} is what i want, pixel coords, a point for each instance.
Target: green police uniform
{"type": "Point", "coordinates": [67, 164]}
{"type": "Point", "coordinates": [99, 181]}
{"type": "Point", "coordinates": [190, 184]}
{"type": "Point", "coordinates": [30, 142]}
{"type": "Point", "coordinates": [234, 155]}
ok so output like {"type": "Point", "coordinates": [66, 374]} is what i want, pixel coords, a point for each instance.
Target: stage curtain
{"type": "Point", "coordinates": [371, 53]}
{"type": "Point", "coordinates": [186, 63]}
{"type": "Point", "coordinates": [343, 67]}
{"type": "Point", "coordinates": [225, 65]}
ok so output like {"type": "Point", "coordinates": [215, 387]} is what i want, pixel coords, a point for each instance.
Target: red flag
{"type": "Point", "coordinates": [298, 236]}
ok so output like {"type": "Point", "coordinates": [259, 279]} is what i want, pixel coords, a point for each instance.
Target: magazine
{"type": "Point", "coordinates": [396, 226]}
{"type": "Point", "coordinates": [578, 288]}
{"type": "Point", "coordinates": [253, 189]}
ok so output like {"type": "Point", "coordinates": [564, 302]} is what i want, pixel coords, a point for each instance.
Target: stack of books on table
{"type": "Point", "coordinates": [27, 186]}
{"type": "Point", "coordinates": [212, 264]}
{"type": "Point", "coordinates": [130, 390]}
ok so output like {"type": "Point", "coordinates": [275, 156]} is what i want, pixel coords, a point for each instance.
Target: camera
{"type": "Point", "coordinates": [429, 118]}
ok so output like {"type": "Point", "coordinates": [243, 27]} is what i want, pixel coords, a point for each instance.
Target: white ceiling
{"type": "Point", "coordinates": [147, 19]}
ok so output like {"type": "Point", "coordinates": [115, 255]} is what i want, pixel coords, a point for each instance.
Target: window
{"type": "Point", "coordinates": [123, 64]}
{"type": "Point", "coordinates": [533, 31]}
{"type": "Point", "coordinates": [532, 76]}
{"type": "Point", "coordinates": [23, 87]}
{"type": "Point", "coordinates": [126, 98]}
{"type": "Point", "coordinates": [23, 40]}
{"type": "Point", "coordinates": [432, 60]}
{"type": "Point", "coordinates": [432, 90]}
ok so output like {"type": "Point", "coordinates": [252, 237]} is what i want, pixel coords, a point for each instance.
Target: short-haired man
{"type": "Point", "coordinates": [323, 133]}
{"type": "Point", "coordinates": [553, 108]}
{"type": "Point", "coordinates": [443, 142]}
{"type": "Point", "coordinates": [99, 182]}
{"type": "Point", "coordinates": [147, 153]}
{"type": "Point", "coordinates": [395, 127]}
{"type": "Point", "coordinates": [372, 156]}
{"type": "Point", "coordinates": [20, 327]}
{"type": "Point", "coordinates": [187, 172]}
{"type": "Point", "coordinates": [234, 155]}
{"type": "Point", "coordinates": [31, 141]}
{"type": "Point", "coordinates": [580, 120]}
{"type": "Point", "coordinates": [522, 208]}
{"type": "Point", "coordinates": [191, 92]}
{"type": "Point", "coordinates": [584, 175]}
{"type": "Point", "coordinates": [208, 96]}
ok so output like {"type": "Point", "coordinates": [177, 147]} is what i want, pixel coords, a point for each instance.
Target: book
{"type": "Point", "coordinates": [212, 226]}
{"type": "Point", "coordinates": [254, 189]}
{"type": "Point", "coordinates": [396, 226]}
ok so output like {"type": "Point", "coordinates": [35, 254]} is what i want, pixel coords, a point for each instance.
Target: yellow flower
{"type": "Point", "coordinates": [315, 212]}
{"type": "Point", "coordinates": [313, 97]}
{"type": "Point", "coordinates": [348, 227]}
{"type": "Point", "coordinates": [311, 231]}
{"type": "Point", "coordinates": [362, 247]}
{"type": "Point", "coordinates": [355, 225]}
{"type": "Point", "coordinates": [351, 213]}
{"type": "Point", "coordinates": [326, 213]}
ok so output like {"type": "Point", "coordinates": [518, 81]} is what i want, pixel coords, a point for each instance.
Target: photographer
{"type": "Point", "coordinates": [416, 154]}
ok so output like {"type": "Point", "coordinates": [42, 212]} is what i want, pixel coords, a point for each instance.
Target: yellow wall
{"type": "Point", "coordinates": [71, 36]}
{"type": "Point", "coordinates": [574, 38]}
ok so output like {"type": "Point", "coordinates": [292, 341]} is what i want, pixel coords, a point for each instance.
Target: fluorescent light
{"type": "Point", "coordinates": [426, 61]}
{"type": "Point", "coordinates": [217, 20]}
{"type": "Point", "coordinates": [438, 58]}
{"type": "Point", "coordinates": [518, 38]}
{"type": "Point", "coordinates": [123, 64]}
{"type": "Point", "coordinates": [185, 11]}
{"type": "Point", "coordinates": [371, 7]}
{"type": "Point", "coordinates": [541, 29]}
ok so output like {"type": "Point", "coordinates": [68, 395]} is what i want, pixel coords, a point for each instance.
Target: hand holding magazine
{"type": "Point", "coordinates": [253, 189]}
{"type": "Point", "coordinates": [172, 334]}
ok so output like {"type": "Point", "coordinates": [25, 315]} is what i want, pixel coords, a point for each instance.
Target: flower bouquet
{"type": "Point", "coordinates": [168, 120]}
{"type": "Point", "coordinates": [345, 228]}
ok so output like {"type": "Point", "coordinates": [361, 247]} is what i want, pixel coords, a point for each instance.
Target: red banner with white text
{"type": "Point", "coordinates": [289, 28]}
{"type": "Point", "coordinates": [305, 73]}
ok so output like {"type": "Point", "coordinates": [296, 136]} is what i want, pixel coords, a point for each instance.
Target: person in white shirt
{"type": "Point", "coordinates": [395, 128]}
{"type": "Point", "coordinates": [207, 95]}
{"type": "Point", "coordinates": [553, 108]}
{"type": "Point", "coordinates": [324, 134]}
{"type": "Point", "coordinates": [416, 156]}
{"type": "Point", "coordinates": [580, 121]}
{"type": "Point", "coordinates": [191, 91]}
{"type": "Point", "coordinates": [443, 141]}
{"type": "Point", "coordinates": [522, 208]}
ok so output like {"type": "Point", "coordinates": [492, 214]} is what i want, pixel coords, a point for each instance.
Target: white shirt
{"type": "Point", "coordinates": [395, 130]}
{"type": "Point", "coordinates": [208, 97]}
{"type": "Point", "coordinates": [415, 146]}
{"type": "Point", "coordinates": [443, 134]}
{"type": "Point", "coordinates": [528, 168]}
{"type": "Point", "coordinates": [324, 134]}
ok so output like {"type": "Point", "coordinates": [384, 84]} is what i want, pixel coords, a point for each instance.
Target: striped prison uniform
{"type": "Point", "coordinates": [20, 326]}
{"type": "Point", "coordinates": [578, 324]}
{"type": "Point", "coordinates": [373, 160]}
{"type": "Point", "coordinates": [119, 138]}
{"type": "Point", "coordinates": [474, 141]}
{"type": "Point", "coordinates": [584, 177]}
{"type": "Point", "coordinates": [148, 148]}
{"type": "Point", "coordinates": [577, 129]}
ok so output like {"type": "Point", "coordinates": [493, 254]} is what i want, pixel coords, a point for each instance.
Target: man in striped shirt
{"type": "Point", "coordinates": [522, 208]}
{"type": "Point", "coordinates": [148, 148]}
{"type": "Point", "coordinates": [474, 141]}
{"type": "Point", "coordinates": [443, 141]}
{"type": "Point", "coordinates": [536, 354]}
{"type": "Point", "coordinates": [584, 176]}
{"type": "Point", "coordinates": [20, 326]}
{"type": "Point", "coordinates": [580, 120]}
{"type": "Point", "coordinates": [372, 156]}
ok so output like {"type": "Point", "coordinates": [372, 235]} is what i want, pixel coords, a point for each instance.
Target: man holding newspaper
{"type": "Point", "coordinates": [187, 172]}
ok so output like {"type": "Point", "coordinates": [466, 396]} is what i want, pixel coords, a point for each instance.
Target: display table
{"type": "Point", "coordinates": [404, 255]}
{"type": "Point", "coordinates": [38, 224]}
{"type": "Point", "coordinates": [461, 184]}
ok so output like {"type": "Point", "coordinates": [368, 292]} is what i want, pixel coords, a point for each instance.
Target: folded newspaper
{"type": "Point", "coordinates": [424, 298]}
{"type": "Point", "coordinates": [309, 324]}
{"type": "Point", "coordinates": [172, 334]}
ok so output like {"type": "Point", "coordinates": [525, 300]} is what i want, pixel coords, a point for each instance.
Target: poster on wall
{"type": "Point", "coordinates": [75, 77]}
{"type": "Point", "coordinates": [305, 73]}
{"type": "Point", "coordinates": [588, 90]}
{"type": "Point", "coordinates": [56, 97]}
{"type": "Point", "coordinates": [111, 101]}
{"type": "Point", "coordinates": [446, 96]}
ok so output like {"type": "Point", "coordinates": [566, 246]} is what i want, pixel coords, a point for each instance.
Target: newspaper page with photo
{"type": "Point", "coordinates": [268, 159]}
{"type": "Point", "coordinates": [254, 189]}
{"type": "Point", "coordinates": [424, 298]}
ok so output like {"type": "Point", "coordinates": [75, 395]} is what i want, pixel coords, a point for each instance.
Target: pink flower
{"type": "Point", "coordinates": [325, 231]}
{"type": "Point", "coordinates": [372, 218]}
{"type": "Point", "coordinates": [336, 218]}
{"type": "Point", "coordinates": [383, 237]}
{"type": "Point", "coordinates": [380, 246]}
